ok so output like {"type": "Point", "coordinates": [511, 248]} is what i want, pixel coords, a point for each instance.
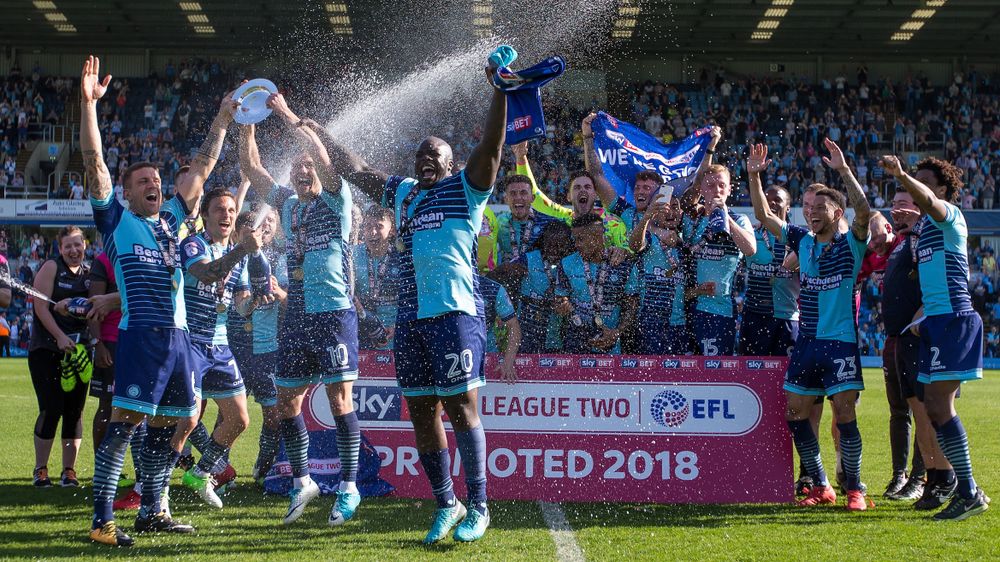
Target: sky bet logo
{"type": "Point", "coordinates": [520, 123]}
{"type": "Point", "coordinates": [758, 364]}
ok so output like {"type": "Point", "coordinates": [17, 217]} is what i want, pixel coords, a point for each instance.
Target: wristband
{"type": "Point", "coordinates": [710, 151]}
{"type": "Point", "coordinates": [300, 123]}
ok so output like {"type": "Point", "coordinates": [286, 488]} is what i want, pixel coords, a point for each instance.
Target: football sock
{"type": "Point", "coordinates": [348, 447]}
{"type": "Point", "coordinates": [808, 448]}
{"type": "Point", "coordinates": [955, 444]}
{"type": "Point", "coordinates": [155, 459]}
{"type": "Point", "coordinates": [293, 431]}
{"type": "Point", "coordinates": [108, 463]}
{"type": "Point", "coordinates": [850, 453]}
{"type": "Point", "coordinates": [472, 446]}
{"type": "Point", "coordinates": [437, 466]}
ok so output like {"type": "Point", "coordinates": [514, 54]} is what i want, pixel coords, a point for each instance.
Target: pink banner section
{"type": "Point", "coordinates": [600, 428]}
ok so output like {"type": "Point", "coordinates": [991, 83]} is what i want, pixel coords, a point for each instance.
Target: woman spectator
{"type": "Point", "coordinates": [53, 336]}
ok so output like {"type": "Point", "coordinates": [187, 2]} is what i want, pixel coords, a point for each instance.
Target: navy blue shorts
{"type": "Point", "coordinates": [824, 367]}
{"type": "Point", "coordinates": [155, 373]}
{"type": "Point", "coordinates": [258, 374]}
{"type": "Point", "coordinates": [951, 348]}
{"type": "Point", "coordinates": [660, 338]}
{"type": "Point", "coordinates": [713, 334]}
{"type": "Point", "coordinates": [767, 336]}
{"type": "Point", "coordinates": [440, 356]}
{"type": "Point", "coordinates": [318, 347]}
{"type": "Point", "coordinates": [216, 373]}
{"type": "Point", "coordinates": [680, 339]}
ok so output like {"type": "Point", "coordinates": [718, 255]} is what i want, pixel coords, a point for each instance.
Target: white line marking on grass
{"type": "Point", "coordinates": [567, 549]}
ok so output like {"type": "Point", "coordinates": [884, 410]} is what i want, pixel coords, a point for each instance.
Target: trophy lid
{"type": "Point", "coordinates": [252, 99]}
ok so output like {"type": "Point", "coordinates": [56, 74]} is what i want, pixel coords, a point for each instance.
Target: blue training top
{"type": "Point", "coordinates": [943, 263]}
{"type": "Point", "coordinates": [827, 274]}
{"type": "Point", "coordinates": [207, 324]}
{"type": "Point", "coordinates": [439, 229]}
{"type": "Point", "coordinates": [318, 250]}
{"type": "Point", "coordinates": [772, 290]}
{"type": "Point", "coordinates": [716, 259]}
{"type": "Point", "coordinates": [147, 261]}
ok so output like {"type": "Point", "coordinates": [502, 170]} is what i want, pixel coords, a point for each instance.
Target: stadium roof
{"type": "Point", "coordinates": [642, 27]}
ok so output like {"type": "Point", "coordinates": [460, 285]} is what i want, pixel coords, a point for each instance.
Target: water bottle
{"type": "Point", "coordinates": [259, 271]}
{"type": "Point", "coordinates": [718, 221]}
{"type": "Point", "coordinates": [79, 307]}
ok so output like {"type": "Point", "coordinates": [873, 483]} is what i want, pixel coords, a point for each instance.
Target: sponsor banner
{"type": "Point", "coordinates": [600, 428]}
{"type": "Point", "coordinates": [8, 208]}
{"type": "Point", "coordinates": [53, 208]}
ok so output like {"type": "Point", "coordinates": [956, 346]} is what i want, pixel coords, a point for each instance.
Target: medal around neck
{"type": "Point", "coordinates": [252, 100]}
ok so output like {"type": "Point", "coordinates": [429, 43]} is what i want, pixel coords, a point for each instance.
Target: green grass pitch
{"type": "Point", "coordinates": [52, 523]}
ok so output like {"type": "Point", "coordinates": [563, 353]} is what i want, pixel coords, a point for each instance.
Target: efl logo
{"type": "Point", "coordinates": [669, 408]}
{"type": "Point", "coordinates": [705, 409]}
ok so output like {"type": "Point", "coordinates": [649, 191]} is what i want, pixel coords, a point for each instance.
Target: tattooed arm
{"type": "Point", "coordinates": [91, 89]}
{"type": "Point", "coordinates": [211, 271]}
{"type": "Point", "coordinates": [856, 196]}
{"type": "Point", "coordinates": [192, 186]}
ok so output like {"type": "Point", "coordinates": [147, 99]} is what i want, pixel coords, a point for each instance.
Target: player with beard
{"type": "Point", "coordinates": [717, 238]}
{"type": "Point", "coordinates": [770, 323]}
{"type": "Point", "coordinates": [657, 243]}
{"type": "Point", "coordinates": [901, 305]}
{"type": "Point", "coordinates": [541, 326]}
{"type": "Point", "coordinates": [583, 200]}
{"type": "Point", "coordinates": [440, 333]}
{"type": "Point", "coordinates": [154, 376]}
{"type": "Point", "coordinates": [216, 280]}
{"type": "Point", "coordinates": [951, 335]}
{"type": "Point", "coordinates": [825, 359]}
{"type": "Point", "coordinates": [319, 336]}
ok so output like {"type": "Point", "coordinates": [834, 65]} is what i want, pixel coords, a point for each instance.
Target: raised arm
{"type": "Point", "coordinates": [211, 271]}
{"type": "Point", "coordinates": [92, 88]}
{"type": "Point", "coordinates": [607, 193]}
{"type": "Point", "coordinates": [251, 166]}
{"type": "Point", "coordinates": [757, 163]}
{"type": "Point", "coordinates": [690, 197]}
{"type": "Point", "coordinates": [637, 239]}
{"type": "Point", "coordinates": [862, 211]}
{"type": "Point", "coordinates": [484, 162]}
{"type": "Point", "coordinates": [192, 185]}
{"type": "Point", "coordinates": [541, 202]}
{"type": "Point", "coordinates": [309, 140]}
{"type": "Point", "coordinates": [923, 196]}
{"type": "Point", "coordinates": [350, 165]}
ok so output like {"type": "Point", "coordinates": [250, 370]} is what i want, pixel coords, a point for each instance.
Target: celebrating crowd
{"type": "Point", "coordinates": [267, 289]}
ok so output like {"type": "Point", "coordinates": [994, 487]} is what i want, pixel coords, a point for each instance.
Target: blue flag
{"type": "Point", "coordinates": [625, 150]}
